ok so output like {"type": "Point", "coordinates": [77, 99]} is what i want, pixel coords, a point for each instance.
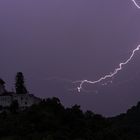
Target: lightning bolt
{"type": "Point", "coordinates": [135, 3]}
{"type": "Point", "coordinates": [116, 70]}
{"type": "Point", "coordinates": [109, 75]}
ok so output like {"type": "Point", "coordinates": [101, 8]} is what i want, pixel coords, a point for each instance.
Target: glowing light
{"type": "Point", "coordinates": [136, 4]}
{"type": "Point", "coordinates": [111, 74]}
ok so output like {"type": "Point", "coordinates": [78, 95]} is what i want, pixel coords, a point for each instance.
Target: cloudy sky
{"type": "Point", "coordinates": [56, 42]}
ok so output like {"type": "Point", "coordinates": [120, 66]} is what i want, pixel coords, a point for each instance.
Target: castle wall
{"type": "Point", "coordinates": [5, 101]}
{"type": "Point", "coordinates": [24, 100]}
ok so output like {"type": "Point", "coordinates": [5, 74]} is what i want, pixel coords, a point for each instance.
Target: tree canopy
{"type": "Point", "coordinates": [19, 85]}
{"type": "Point", "coordinates": [50, 120]}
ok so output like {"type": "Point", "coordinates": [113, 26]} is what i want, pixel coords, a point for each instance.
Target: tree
{"type": "Point", "coordinates": [19, 85]}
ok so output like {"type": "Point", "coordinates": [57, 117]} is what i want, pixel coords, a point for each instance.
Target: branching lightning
{"type": "Point", "coordinates": [116, 70]}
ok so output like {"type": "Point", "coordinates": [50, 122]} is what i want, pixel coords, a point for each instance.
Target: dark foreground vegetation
{"type": "Point", "coordinates": [49, 120]}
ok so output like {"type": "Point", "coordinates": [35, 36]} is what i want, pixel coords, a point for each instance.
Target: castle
{"type": "Point", "coordinates": [23, 99]}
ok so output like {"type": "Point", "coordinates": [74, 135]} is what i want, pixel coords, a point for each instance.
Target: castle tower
{"type": "Point", "coordinates": [2, 87]}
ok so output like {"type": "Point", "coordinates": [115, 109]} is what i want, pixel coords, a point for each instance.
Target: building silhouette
{"type": "Point", "coordinates": [24, 100]}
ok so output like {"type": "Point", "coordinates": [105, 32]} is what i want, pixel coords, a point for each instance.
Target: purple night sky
{"type": "Point", "coordinates": [53, 40]}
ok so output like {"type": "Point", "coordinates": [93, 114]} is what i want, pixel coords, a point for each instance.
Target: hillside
{"type": "Point", "coordinates": [50, 120]}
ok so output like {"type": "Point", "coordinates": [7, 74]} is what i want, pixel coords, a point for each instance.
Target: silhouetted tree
{"type": "Point", "coordinates": [19, 85]}
{"type": "Point", "coordinates": [2, 87]}
{"type": "Point", "coordinates": [49, 120]}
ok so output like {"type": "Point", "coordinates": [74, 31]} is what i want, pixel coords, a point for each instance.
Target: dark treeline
{"type": "Point", "coordinates": [50, 120]}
